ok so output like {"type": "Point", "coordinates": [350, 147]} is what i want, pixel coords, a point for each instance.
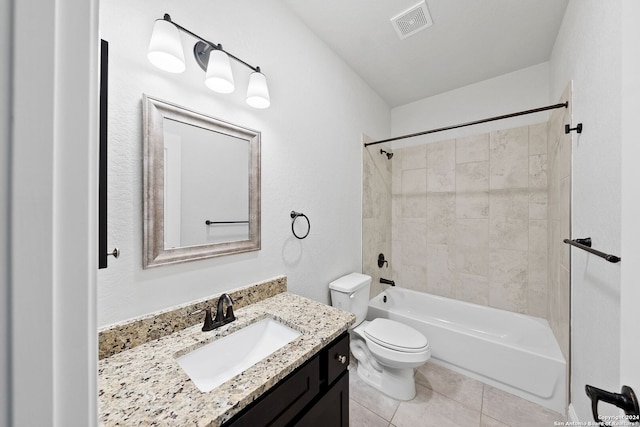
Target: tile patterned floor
{"type": "Point", "coordinates": [445, 399]}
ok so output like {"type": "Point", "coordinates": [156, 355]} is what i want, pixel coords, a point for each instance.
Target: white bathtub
{"type": "Point", "coordinates": [510, 351]}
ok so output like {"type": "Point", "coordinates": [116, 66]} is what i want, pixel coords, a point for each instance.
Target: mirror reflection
{"type": "Point", "coordinates": [206, 186]}
{"type": "Point", "coordinates": [201, 185]}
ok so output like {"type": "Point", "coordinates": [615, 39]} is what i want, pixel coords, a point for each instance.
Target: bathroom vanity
{"type": "Point", "coordinates": [304, 383]}
{"type": "Point", "coordinates": [316, 394]}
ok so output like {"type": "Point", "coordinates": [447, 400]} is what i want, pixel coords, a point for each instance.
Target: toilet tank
{"type": "Point", "coordinates": [351, 293]}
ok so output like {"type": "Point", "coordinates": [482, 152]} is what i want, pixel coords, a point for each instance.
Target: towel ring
{"type": "Point", "coordinates": [294, 216]}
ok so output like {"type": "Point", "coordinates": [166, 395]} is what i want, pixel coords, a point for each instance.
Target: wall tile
{"type": "Point", "coordinates": [538, 172]}
{"type": "Point", "coordinates": [511, 203]}
{"type": "Point", "coordinates": [414, 186]}
{"type": "Point", "coordinates": [441, 218]}
{"type": "Point", "coordinates": [472, 177]}
{"type": "Point", "coordinates": [471, 260]}
{"type": "Point", "coordinates": [538, 235]}
{"type": "Point", "coordinates": [508, 266]}
{"type": "Point", "coordinates": [564, 207]}
{"type": "Point", "coordinates": [508, 280]}
{"type": "Point", "coordinates": [470, 218]}
{"type": "Point", "coordinates": [508, 296]}
{"type": "Point", "coordinates": [508, 154]}
{"type": "Point", "coordinates": [473, 289]}
{"type": "Point", "coordinates": [396, 172]}
{"type": "Point", "coordinates": [472, 149]}
{"type": "Point", "coordinates": [473, 232]}
{"type": "Point", "coordinates": [508, 233]}
{"type": "Point", "coordinates": [414, 206]}
{"type": "Point", "coordinates": [508, 222]}
{"type": "Point", "coordinates": [441, 166]}
{"type": "Point", "coordinates": [414, 182]}
{"type": "Point", "coordinates": [377, 209]}
{"type": "Point", "coordinates": [414, 241]}
{"type": "Point", "coordinates": [538, 139]}
{"type": "Point", "coordinates": [414, 277]}
{"type": "Point", "coordinates": [414, 157]}
{"type": "Point", "coordinates": [538, 271]}
{"type": "Point", "coordinates": [440, 270]}
{"type": "Point", "coordinates": [472, 205]}
{"type": "Point", "coordinates": [538, 204]}
{"type": "Point", "coordinates": [537, 303]}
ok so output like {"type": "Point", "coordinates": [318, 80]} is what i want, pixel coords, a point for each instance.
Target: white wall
{"type": "Point", "coordinates": [5, 101]}
{"type": "Point", "coordinates": [521, 90]}
{"type": "Point", "coordinates": [588, 51]}
{"type": "Point", "coordinates": [311, 150]}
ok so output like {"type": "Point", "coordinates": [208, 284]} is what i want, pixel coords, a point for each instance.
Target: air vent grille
{"type": "Point", "coordinates": [412, 20]}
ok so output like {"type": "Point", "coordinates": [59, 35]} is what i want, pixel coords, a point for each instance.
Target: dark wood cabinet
{"type": "Point", "coordinates": [315, 394]}
{"type": "Point", "coordinates": [331, 410]}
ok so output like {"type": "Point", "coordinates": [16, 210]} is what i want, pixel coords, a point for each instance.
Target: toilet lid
{"type": "Point", "coordinates": [395, 335]}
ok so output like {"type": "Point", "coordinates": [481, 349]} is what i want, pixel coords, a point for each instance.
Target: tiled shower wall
{"type": "Point", "coordinates": [559, 214]}
{"type": "Point", "coordinates": [376, 215]}
{"type": "Point", "coordinates": [469, 219]}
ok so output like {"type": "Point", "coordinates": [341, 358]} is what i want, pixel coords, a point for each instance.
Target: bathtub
{"type": "Point", "coordinates": [513, 352]}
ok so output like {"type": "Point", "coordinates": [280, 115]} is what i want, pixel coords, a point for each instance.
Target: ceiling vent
{"type": "Point", "coordinates": [412, 20]}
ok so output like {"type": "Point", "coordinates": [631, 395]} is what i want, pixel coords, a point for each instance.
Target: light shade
{"type": "Point", "coordinates": [219, 77]}
{"type": "Point", "coordinates": [258, 91]}
{"type": "Point", "coordinates": [165, 47]}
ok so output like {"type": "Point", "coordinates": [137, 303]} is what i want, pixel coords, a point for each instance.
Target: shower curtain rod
{"type": "Point", "coordinates": [491, 119]}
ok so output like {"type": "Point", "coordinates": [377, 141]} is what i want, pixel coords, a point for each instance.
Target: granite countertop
{"type": "Point", "coordinates": [146, 386]}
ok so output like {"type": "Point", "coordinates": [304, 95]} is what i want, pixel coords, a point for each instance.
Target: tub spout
{"type": "Point", "coordinates": [387, 281]}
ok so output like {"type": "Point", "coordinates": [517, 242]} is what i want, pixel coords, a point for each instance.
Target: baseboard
{"type": "Point", "coordinates": [571, 414]}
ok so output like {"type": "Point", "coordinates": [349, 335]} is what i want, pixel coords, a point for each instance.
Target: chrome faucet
{"type": "Point", "coordinates": [228, 317]}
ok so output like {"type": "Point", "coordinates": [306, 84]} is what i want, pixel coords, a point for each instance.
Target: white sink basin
{"type": "Point", "coordinates": [213, 364]}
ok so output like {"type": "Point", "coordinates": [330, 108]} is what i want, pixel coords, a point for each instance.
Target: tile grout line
{"type": "Point", "coordinates": [482, 404]}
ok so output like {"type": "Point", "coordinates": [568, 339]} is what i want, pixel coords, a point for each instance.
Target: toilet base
{"type": "Point", "coordinates": [397, 383]}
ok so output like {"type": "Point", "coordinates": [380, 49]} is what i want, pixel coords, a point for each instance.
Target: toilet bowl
{"type": "Point", "coordinates": [387, 351]}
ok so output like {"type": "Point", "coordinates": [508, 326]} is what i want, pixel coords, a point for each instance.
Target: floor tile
{"type": "Point", "coordinates": [359, 416]}
{"type": "Point", "coordinates": [515, 411]}
{"type": "Point", "coordinates": [487, 421]}
{"type": "Point", "coordinates": [431, 409]}
{"type": "Point", "coordinates": [451, 384]}
{"type": "Point", "coordinates": [370, 397]}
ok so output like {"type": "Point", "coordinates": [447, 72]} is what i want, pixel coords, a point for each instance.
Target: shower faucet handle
{"type": "Point", "coordinates": [382, 261]}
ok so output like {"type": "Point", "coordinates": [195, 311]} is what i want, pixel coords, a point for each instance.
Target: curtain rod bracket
{"type": "Point", "coordinates": [568, 128]}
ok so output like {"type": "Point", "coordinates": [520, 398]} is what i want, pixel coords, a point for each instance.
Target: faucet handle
{"type": "Point", "coordinates": [208, 320]}
{"type": "Point", "coordinates": [228, 315]}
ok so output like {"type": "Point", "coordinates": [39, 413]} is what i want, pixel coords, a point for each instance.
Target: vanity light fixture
{"type": "Point", "coordinates": [165, 52]}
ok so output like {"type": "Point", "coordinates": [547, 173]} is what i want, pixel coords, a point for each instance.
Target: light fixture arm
{"type": "Point", "coordinates": [203, 47]}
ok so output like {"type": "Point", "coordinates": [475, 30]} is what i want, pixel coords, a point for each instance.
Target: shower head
{"type": "Point", "coordinates": [386, 153]}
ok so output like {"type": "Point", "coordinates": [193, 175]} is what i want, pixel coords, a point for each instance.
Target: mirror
{"type": "Point", "coordinates": [201, 185]}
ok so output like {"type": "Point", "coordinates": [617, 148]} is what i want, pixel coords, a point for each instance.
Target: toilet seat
{"type": "Point", "coordinates": [395, 336]}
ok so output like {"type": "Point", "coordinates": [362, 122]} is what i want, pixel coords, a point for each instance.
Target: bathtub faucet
{"type": "Point", "coordinates": [387, 281]}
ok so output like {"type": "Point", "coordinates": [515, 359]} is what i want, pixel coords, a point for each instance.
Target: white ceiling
{"type": "Point", "coordinates": [470, 41]}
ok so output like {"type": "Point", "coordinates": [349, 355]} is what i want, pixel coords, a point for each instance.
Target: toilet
{"type": "Point", "coordinates": [387, 351]}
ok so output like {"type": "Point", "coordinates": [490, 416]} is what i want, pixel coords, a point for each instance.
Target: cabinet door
{"type": "Point", "coordinates": [337, 358]}
{"type": "Point", "coordinates": [279, 406]}
{"type": "Point", "coordinates": [332, 409]}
